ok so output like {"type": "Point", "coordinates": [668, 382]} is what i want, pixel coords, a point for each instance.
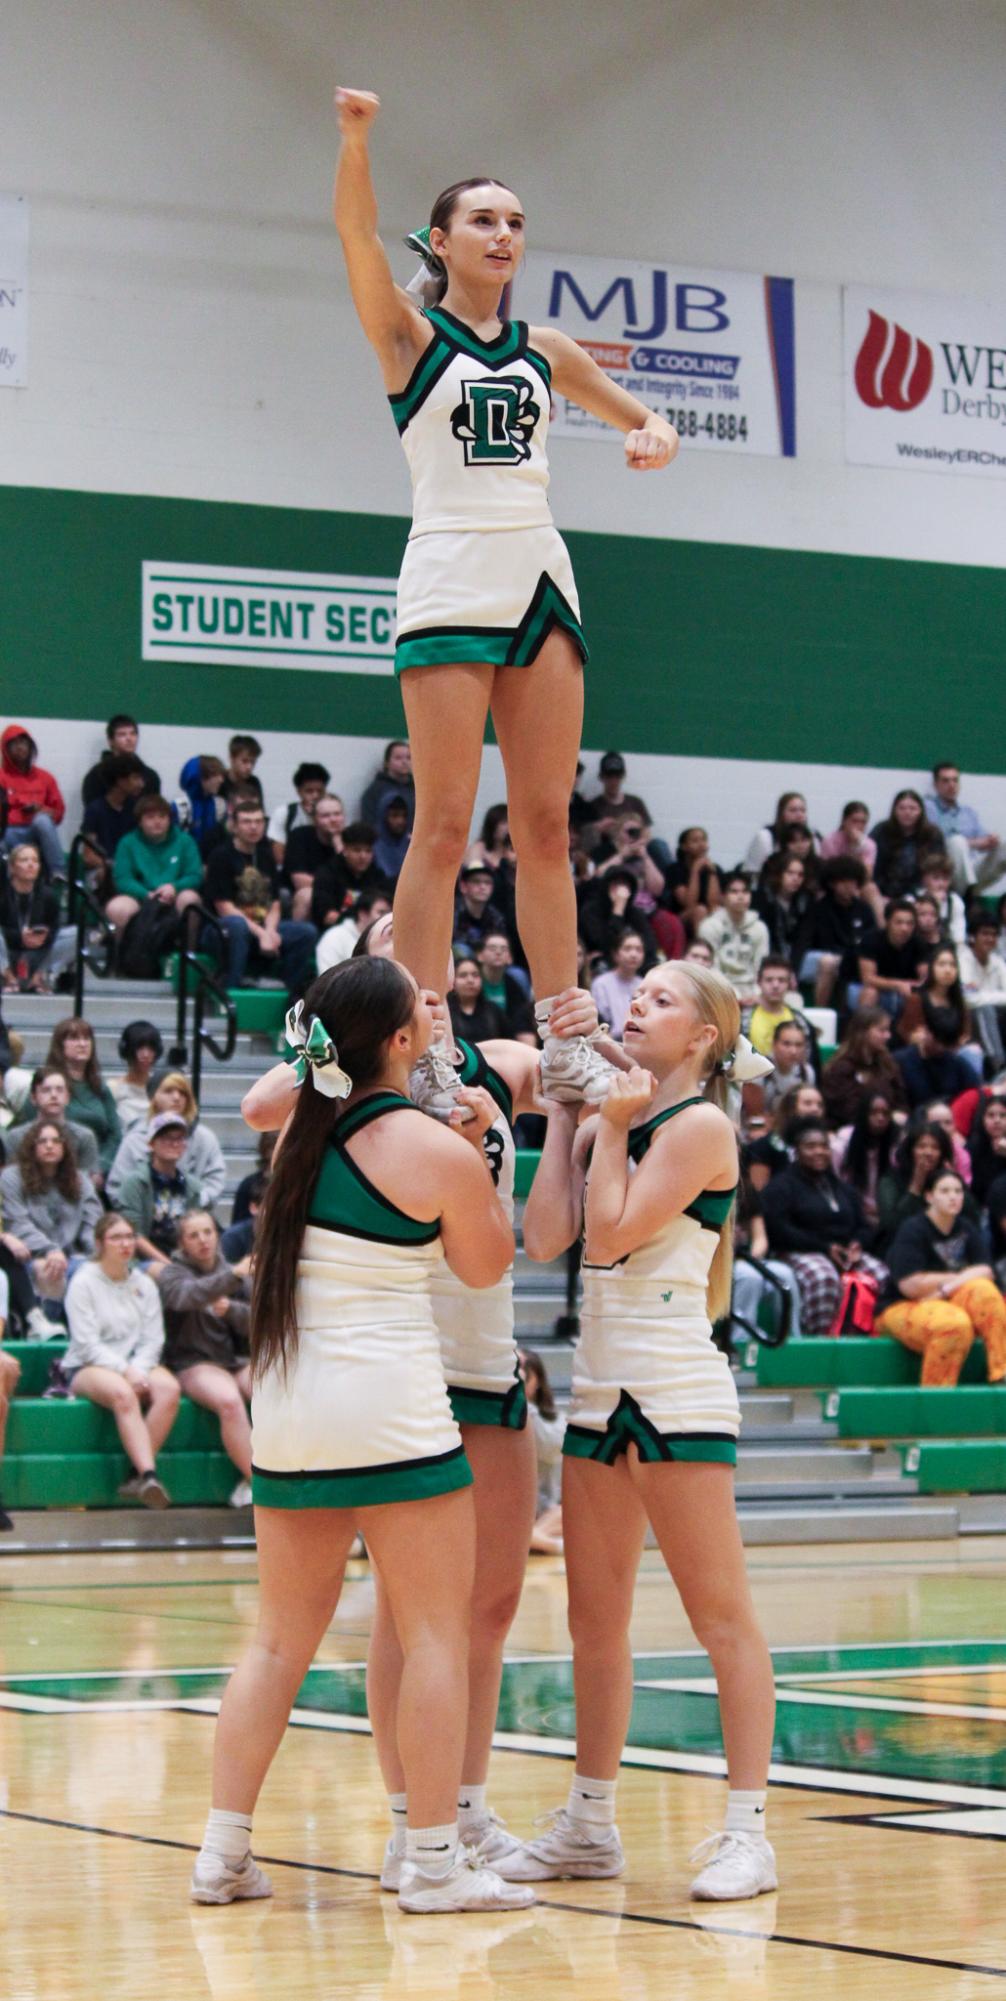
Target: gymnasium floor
{"type": "Point", "coordinates": [892, 1676]}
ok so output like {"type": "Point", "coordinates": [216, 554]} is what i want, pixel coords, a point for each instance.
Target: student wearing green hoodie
{"type": "Point", "coordinates": [158, 860]}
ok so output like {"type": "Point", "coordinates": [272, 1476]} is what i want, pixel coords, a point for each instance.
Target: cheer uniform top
{"type": "Point", "coordinates": [361, 1414]}
{"type": "Point", "coordinates": [476, 1328]}
{"type": "Point", "coordinates": [646, 1370]}
{"type": "Point", "coordinates": [486, 576]}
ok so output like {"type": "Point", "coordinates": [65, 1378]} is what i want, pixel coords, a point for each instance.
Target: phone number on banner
{"type": "Point", "coordinates": [701, 420]}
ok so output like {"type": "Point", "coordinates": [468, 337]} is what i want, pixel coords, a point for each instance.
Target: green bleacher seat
{"type": "Point", "coordinates": [824, 1364]}
{"type": "Point", "coordinates": [963, 1412]}
{"type": "Point", "coordinates": [63, 1452]}
{"type": "Point", "coordinates": [36, 1359]}
{"type": "Point", "coordinates": [958, 1466]}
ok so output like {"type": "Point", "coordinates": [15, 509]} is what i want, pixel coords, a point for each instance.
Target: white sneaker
{"type": "Point", "coordinates": [573, 1071]}
{"type": "Point", "coordinates": [467, 1887]}
{"type": "Point", "coordinates": [241, 1495]}
{"type": "Point", "coordinates": [737, 1865]}
{"type": "Point", "coordinates": [216, 1881]}
{"type": "Point", "coordinates": [391, 1867]}
{"type": "Point", "coordinates": [434, 1084]}
{"type": "Point", "coordinates": [39, 1327]}
{"type": "Point", "coordinates": [566, 1850]}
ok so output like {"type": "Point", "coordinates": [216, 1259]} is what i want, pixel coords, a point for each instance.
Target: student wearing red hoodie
{"type": "Point", "coordinates": [34, 802]}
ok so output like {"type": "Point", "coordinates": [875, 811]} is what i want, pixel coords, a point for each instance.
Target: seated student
{"type": "Point", "coordinates": [861, 1154]}
{"type": "Point", "coordinates": [10, 1376]}
{"type": "Point", "coordinates": [243, 753]}
{"type": "Point", "coordinates": [738, 938]}
{"type": "Point", "coordinates": [34, 802]}
{"type": "Point", "coordinates": [791, 811]}
{"type": "Point", "coordinates": [207, 1312]}
{"type": "Point", "coordinates": [692, 883]}
{"type": "Point", "coordinates": [767, 1152]}
{"type": "Point", "coordinates": [157, 1195]}
{"type": "Point", "coordinates": [977, 856]}
{"type": "Point", "coordinates": [987, 1146]}
{"type": "Point", "coordinates": [338, 943]}
{"type": "Point", "coordinates": [199, 807]}
{"type": "Point", "coordinates": [891, 964]}
{"type": "Point", "coordinates": [776, 979]}
{"type": "Point", "coordinates": [393, 837]}
{"type": "Point", "coordinates": [310, 782]}
{"type": "Point", "coordinates": [241, 1205]}
{"type": "Point", "coordinates": [816, 1222]}
{"type": "Point", "coordinates": [942, 1291]}
{"type": "Point", "coordinates": [604, 811]}
{"type": "Point", "coordinates": [237, 1242]}
{"type": "Point", "coordinates": [473, 1018]}
{"type": "Point", "coordinates": [71, 1049]}
{"type": "Point", "coordinates": [156, 862]}
{"type": "Point", "coordinates": [757, 1276]}
{"type": "Point", "coordinates": [494, 846]}
{"type": "Point", "coordinates": [395, 775]}
{"type": "Point", "coordinates": [905, 841]}
{"type": "Point", "coordinates": [607, 904]}
{"type": "Point", "coordinates": [784, 902]}
{"type": "Point", "coordinates": [141, 1048]}
{"type": "Point", "coordinates": [941, 986]}
{"type": "Point", "coordinates": [339, 881]}
{"type": "Point", "coordinates": [475, 914]}
{"type": "Point", "coordinates": [938, 1112]}
{"type": "Point", "coordinates": [34, 949]}
{"type": "Point", "coordinates": [114, 1355]}
{"type": "Point", "coordinates": [929, 927]}
{"type": "Point", "coordinates": [309, 848]}
{"type": "Point", "coordinates": [122, 734]}
{"type": "Point", "coordinates": [49, 1206]}
{"type": "Point", "coordinates": [630, 844]}
{"type": "Point", "coordinates": [242, 888]}
{"type": "Point", "coordinates": [507, 989]}
{"type": "Point", "coordinates": [791, 1056]}
{"type": "Point", "coordinates": [50, 1100]}
{"type": "Point", "coordinates": [112, 816]}
{"type": "Point", "coordinates": [937, 874]}
{"type": "Point", "coordinates": [613, 990]}
{"type": "Point", "coordinates": [983, 978]}
{"type": "Point", "coordinates": [850, 838]}
{"type": "Point", "coordinates": [839, 920]}
{"type": "Point", "coordinates": [202, 1158]}
{"type": "Point", "coordinates": [931, 1066]}
{"type": "Point", "coordinates": [922, 1146]}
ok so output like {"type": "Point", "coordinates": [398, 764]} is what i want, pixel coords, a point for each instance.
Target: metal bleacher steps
{"type": "Point", "coordinates": [800, 1478]}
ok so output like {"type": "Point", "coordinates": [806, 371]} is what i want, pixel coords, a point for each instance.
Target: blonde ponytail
{"type": "Point", "coordinates": [716, 1003]}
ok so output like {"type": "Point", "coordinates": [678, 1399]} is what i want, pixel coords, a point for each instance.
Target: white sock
{"type": "Point", "coordinates": [592, 1802]}
{"type": "Point", "coordinates": [745, 1813]}
{"type": "Point", "coordinates": [397, 1809]}
{"type": "Point", "coordinates": [227, 1835]}
{"type": "Point", "coordinates": [434, 1850]}
{"type": "Point", "coordinates": [472, 1806]}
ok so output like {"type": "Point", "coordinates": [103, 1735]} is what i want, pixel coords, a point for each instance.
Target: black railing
{"type": "Point", "coordinates": [95, 935]}
{"type": "Point", "coordinates": [197, 983]}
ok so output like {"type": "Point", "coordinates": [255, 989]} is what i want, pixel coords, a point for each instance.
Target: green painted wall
{"type": "Point", "coordinates": [698, 648]}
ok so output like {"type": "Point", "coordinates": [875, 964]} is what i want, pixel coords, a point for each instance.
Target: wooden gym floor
{"type": "Point", "coordinates": [892, 1726]}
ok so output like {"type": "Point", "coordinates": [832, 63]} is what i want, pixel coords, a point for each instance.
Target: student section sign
{"type": "Point", "coordinates": [713, 351]}
{"type": "Point", "coordinates": [227, 617]}
{"type": "Point", "coordinates": [925, 381]}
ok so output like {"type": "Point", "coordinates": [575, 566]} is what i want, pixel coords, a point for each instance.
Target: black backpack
{"type": "Point", "coordinates": [146, 939]}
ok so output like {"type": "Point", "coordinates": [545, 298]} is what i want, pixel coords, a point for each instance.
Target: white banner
{"type": "Point", "coordinates": [268, 618]}
{"type": "Point", "coordinates": [713, 351]}
{"type": "Point", "coordinates": [925, 381]}
{"type": "Point", "coordinates": [13, 291]}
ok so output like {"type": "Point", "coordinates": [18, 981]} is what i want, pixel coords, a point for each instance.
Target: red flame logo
{"type": "Point", "coordinates": [892, 374]}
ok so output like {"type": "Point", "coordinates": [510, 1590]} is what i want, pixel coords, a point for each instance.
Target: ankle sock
{"type": "Point", "coordinates": [592, 1802]}
{"type": "Point", "coordinates": [745, 1813]}
{"type": "Point", "coordinates": [227, 1835]}
{"type": "Point", "coordinates": [434, 1850]}
{"type": "Point", "coordinates": [397, 1805]}
{"type": "Point", "coordinates": [472, 1806]}
{"type": "Point", "coordinates": [542, 1010]}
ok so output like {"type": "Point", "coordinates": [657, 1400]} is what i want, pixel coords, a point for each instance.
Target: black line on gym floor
{"type": "Point", "coordinates": [577, 1910]}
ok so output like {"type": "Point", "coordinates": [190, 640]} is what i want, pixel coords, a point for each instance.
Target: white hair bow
{"type": "Point", "coordinates": [742, 1064]}
{"type": "Point", "coordinates": [314, 1050]}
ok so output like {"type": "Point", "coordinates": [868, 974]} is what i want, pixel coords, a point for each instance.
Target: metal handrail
{"type": "Point", "coordinates": [208, 983]}
{"type": "Point", "coordinates": [195, 982]}
{"type": "Point", "coordinates": [84, 910]}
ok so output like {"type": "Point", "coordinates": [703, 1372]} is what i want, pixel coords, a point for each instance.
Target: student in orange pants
{"type": "Point", "coordinates": [948, 1290]}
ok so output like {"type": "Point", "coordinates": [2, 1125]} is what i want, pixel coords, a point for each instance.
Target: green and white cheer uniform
{"type": "Point", "coordinates": [486, 575]}
{"type": "Point", "coordinates": [476, 1328]}
{"type": "Point", "coordinates": [361, 1414]}
{"type": "Point", "coordinates": [646, 1371]}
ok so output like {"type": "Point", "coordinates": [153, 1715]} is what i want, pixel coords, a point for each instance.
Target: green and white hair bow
{"type": "Point", "coordinates": [742, 1064]}
{"type": "Point", "coordinates": [314, 1051]}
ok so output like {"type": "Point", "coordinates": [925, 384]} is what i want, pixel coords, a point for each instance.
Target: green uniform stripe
{"type": "Point", "coordinates": [344, 1198]}
{"type": "Point", "coordinates": [475, 1070]}
{"type": "Point", "coordinates": [495, 353]}
{"type": "Point", "coordinates": [363, 1486]}
{"type": "Point", "coordinates": [461, 643]}
{"type": "Point", "coordinates": [427, 372]}
{"type": "Point", "coordinates": [604, 1447]}
{"type": "Point", "coordinates": [538, 362]}
{"type": "Point", "coordinates": [712, 1207]}
{"type": "Point", "coordinates": [506, 1410]}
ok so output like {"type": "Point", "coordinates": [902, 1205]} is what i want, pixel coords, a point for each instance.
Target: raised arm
{"type": "Point", "coordinates": [651, 442]}
{"type": "Point", "coordinates": [554, 1210]}
{"type": "Point", "coordinates": [394, 327]}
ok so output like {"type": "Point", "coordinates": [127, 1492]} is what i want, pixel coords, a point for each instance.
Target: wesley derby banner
{"type": "Point", "coordinates": [222, 617]}
{"type": "Point", "coordinates": [714, 351]}
{"type": "Point", "coordinates": [13, 291]}
{"type": "Point", "coordinates": [925, 381]}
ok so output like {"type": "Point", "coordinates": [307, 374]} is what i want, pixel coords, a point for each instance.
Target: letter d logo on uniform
{"type": "Point", "coordinates": [892, 374]}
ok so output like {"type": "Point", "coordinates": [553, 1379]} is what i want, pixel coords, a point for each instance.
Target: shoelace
{"type": "Point", "coordinates": [720, 1843]}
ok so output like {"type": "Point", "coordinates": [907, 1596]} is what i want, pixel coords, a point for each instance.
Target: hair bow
{"type": "Point", "coordinates": [314, 1051]}
{"type": "Point", "coordinates": [742, 1064]}
{"type": "Point", "coordinates": [428, 284]}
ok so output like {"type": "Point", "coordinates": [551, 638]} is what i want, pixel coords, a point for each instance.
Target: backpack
{"type": "Point", "coordinates": [857, 1305]}
{"type": "Point", "coordinates": [146, 939]}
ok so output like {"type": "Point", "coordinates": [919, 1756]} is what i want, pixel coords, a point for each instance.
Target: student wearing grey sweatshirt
{"type": "Point", "coordinates": [113, 1358]}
